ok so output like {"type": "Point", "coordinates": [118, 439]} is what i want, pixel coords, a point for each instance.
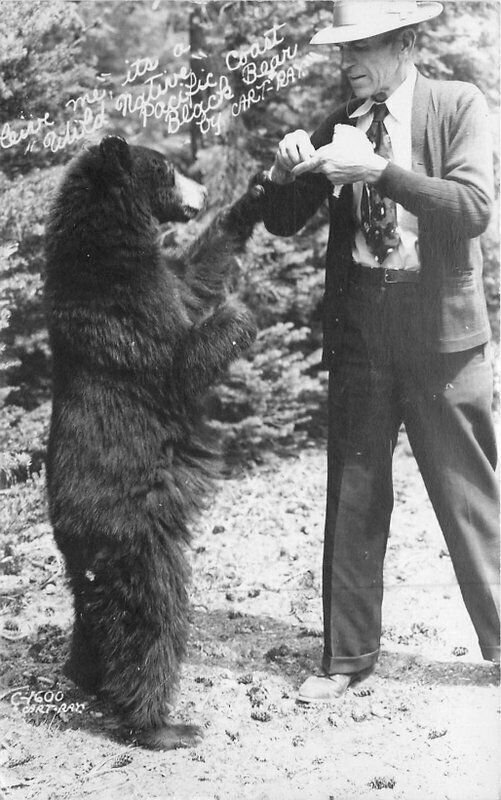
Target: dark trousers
{"type": "Point", "coordinates": [386, 376]}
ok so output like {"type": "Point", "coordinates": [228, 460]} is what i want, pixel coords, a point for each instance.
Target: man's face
{"type": "Point", "coordinates": [374, 66]}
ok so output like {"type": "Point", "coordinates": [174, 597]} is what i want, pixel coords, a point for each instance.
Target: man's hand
{"type": "Point", "coordinates": [348, 158]}
{"type": "Point", "coordinates": [294, 149]}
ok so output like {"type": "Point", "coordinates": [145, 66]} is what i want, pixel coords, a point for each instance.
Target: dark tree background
{"type": "Point", "coordinates": [53, 51]}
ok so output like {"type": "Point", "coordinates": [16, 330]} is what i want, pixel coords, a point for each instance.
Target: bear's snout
{"type": "Point", "coordinates": [191, 195]}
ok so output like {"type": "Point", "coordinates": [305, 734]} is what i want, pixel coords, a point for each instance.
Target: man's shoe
{"type": "Point", "coordinates": [329, 688]}
{"type": "Point", "coordinates": [323, 688]}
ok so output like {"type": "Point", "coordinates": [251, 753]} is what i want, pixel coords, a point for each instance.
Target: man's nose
{"type": "Point", "coordinates": [347, 58]}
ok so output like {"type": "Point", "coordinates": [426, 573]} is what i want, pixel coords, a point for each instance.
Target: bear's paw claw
{"type": "Point", "coordinates": [169, 737]}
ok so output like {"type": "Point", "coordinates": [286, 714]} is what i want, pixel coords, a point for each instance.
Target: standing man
{"type": "Point", "coordinates": [405, 167]}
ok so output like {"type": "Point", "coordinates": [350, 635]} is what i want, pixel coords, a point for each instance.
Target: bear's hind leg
{"type": "Point", "coordinates": [83, 666]}
{"type": "Point", "coordinates": [141, 610]}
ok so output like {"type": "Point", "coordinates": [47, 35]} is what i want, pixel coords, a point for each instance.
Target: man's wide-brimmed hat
{"type": "Point", "coordinates": [361, 19]}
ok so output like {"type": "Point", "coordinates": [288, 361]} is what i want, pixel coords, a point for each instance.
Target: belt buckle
{"type": "Point", "coordinates": [387, 278]}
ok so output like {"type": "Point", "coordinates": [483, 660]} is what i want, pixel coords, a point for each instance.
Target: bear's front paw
{"type": "Point", "coordinates": [249, 208]}
{"type": "Point", "coordinates": [257, 183]}
{"type": "Point", "coordinates": [245, 329]}
{"type": "Point", "coordinates": [239, 322]}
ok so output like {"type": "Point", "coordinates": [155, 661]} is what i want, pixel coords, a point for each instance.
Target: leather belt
{"type": "Point", "coordinates": [380, 276]}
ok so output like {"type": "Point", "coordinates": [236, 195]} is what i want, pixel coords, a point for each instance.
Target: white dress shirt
{"type": "Point", "coordinates": [398, 125]}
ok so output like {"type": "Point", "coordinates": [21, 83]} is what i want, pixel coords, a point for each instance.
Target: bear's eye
{"type": "Point", "coordinates": [163, 172]}
{"type": "Point", "coordinates": [169, 175]}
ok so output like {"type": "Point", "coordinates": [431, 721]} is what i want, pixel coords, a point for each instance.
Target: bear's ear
{"type": "Point", "coordinates": [115, 151]}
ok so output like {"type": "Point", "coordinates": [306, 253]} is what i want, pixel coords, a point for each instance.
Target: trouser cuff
{"type": "Point", "coordinates": [490, 653]}
{"type": "Point", "coordinates": [346, 666]}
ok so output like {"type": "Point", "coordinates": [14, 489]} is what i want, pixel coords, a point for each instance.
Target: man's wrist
{"type": "Point", "coordinates": [376, 168]}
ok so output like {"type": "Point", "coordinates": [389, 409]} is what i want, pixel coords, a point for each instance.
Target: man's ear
{"type": "Point", "coordinates": [115, 152]}
{"type": "Point", "coordinates": [408, 39]}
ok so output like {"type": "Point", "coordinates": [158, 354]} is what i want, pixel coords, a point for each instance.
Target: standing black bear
{"type": "Point", "coordinates": [134, 347]}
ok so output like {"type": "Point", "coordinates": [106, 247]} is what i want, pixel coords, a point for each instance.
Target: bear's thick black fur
{"type": "Point", "coordinates": [134, 347]}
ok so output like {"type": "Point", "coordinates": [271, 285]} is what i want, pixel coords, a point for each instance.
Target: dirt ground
{"type": "Point", "coordinates": [425, 726]}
